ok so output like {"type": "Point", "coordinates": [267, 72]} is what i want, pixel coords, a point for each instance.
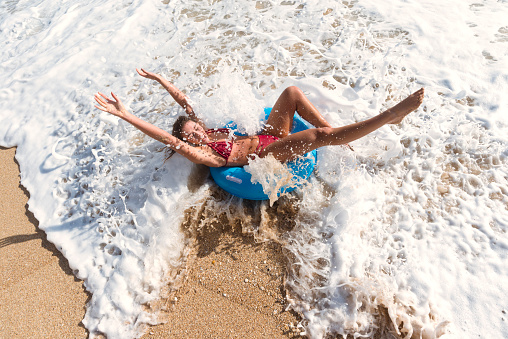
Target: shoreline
{"type": "Point", "coordinates": [39, 295]}
{"type": "Point", "coordinates": [233, 285]}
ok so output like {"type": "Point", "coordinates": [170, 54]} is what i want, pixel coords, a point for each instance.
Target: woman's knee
{"type": "Point", "coordinates": [322, 136]}
{"type": "Point", "coordinates": [293, 92]}
{"type": "Point", "coordinates": [317, 136]}
{"type": "Point", "coordinates": [323, 133]}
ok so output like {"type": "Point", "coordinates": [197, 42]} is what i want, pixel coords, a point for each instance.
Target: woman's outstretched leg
{"type": "Point", "coordinates": [292, 100]}
{"type": "Point", "coordinates": [302, 142]}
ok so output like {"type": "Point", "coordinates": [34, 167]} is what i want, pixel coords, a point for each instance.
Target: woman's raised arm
{"type": "Point", "coordinates": [115, 107]}
{"type": "Point", "coordinates": [177, 95]}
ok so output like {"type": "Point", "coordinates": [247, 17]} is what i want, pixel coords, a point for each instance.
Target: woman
{"type": "Point", "coordinates": [219, 147]}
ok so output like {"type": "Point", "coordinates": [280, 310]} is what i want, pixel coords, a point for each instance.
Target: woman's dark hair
{"type": "Point", "coordinates": [177, 132]}
{"type": "Point", "coordinates": [178, 126]}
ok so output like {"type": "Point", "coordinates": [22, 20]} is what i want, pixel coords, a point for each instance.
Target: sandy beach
{"type": "Point", "coordinates": [39, 295]}
{"type": "Point", "coordinates": [233, 287]}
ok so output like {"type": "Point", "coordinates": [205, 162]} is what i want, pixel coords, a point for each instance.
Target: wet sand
{"type": "Point", "coordinates": [233, 288]}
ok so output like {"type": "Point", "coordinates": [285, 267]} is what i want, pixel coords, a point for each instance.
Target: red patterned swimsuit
{"type": "Point", "coordinates": [223, 148]}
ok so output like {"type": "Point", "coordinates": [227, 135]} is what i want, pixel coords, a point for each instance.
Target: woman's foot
{"type": "Point", "coordinates": [406, 106]}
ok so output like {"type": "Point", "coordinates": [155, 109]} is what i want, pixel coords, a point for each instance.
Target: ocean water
{"type": "Point", "coordinates": [405, 237]}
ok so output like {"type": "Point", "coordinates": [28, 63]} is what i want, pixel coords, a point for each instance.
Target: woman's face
{"type": "Point", "coordinates": [194, 133]}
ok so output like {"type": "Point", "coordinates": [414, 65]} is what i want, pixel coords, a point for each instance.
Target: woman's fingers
{"type": "Point", "coordinates": [101, 108]}
{"type": "Point", "coordinates": [105, 97]}
{"type": "Point", "coordinates": [106, 104]}
{"type": "Point", "coordinates": [108, 100]}
{"type": "Point", "coordinates": [147, 74]}
{"type": "Point", "coordinates": [114, 97]}
{"type": "Point", "coordinates": [99, 100]}
{"type": "Point", "coordinates": [143, 73]}
{"type": "Point", "coordinates": [97, 97]}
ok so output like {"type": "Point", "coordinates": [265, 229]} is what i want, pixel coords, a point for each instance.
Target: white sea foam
{"type": "Point", "coordinates": [408, 233]}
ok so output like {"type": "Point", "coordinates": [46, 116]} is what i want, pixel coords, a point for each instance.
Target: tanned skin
{"type": "Point", "coordinates": [278, 124]}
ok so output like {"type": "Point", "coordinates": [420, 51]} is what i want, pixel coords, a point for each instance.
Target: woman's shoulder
{"type": "Point", "coordinates": [203, 154]}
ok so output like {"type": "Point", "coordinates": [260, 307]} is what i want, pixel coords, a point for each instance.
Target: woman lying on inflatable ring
{"type": "Point", "coordinates": [217, 148]}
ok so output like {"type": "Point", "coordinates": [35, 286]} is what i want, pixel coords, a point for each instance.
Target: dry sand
{"type": "Point", "coordinates": [233, 288]}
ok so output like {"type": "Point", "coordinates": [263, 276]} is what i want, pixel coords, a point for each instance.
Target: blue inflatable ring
{"type": "Point", "coordinates": [237, 181]}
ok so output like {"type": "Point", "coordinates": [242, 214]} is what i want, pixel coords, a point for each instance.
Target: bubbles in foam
{"type": "Point", "coordinates": [398, 238]}
{"type": "Point", "coordinates": [272, 175]}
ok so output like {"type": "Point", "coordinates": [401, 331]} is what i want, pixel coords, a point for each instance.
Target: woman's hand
{"type": "Point", "coordinates": [148, 75]}
{"type": "Point", "coordinates": [114, 106]}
